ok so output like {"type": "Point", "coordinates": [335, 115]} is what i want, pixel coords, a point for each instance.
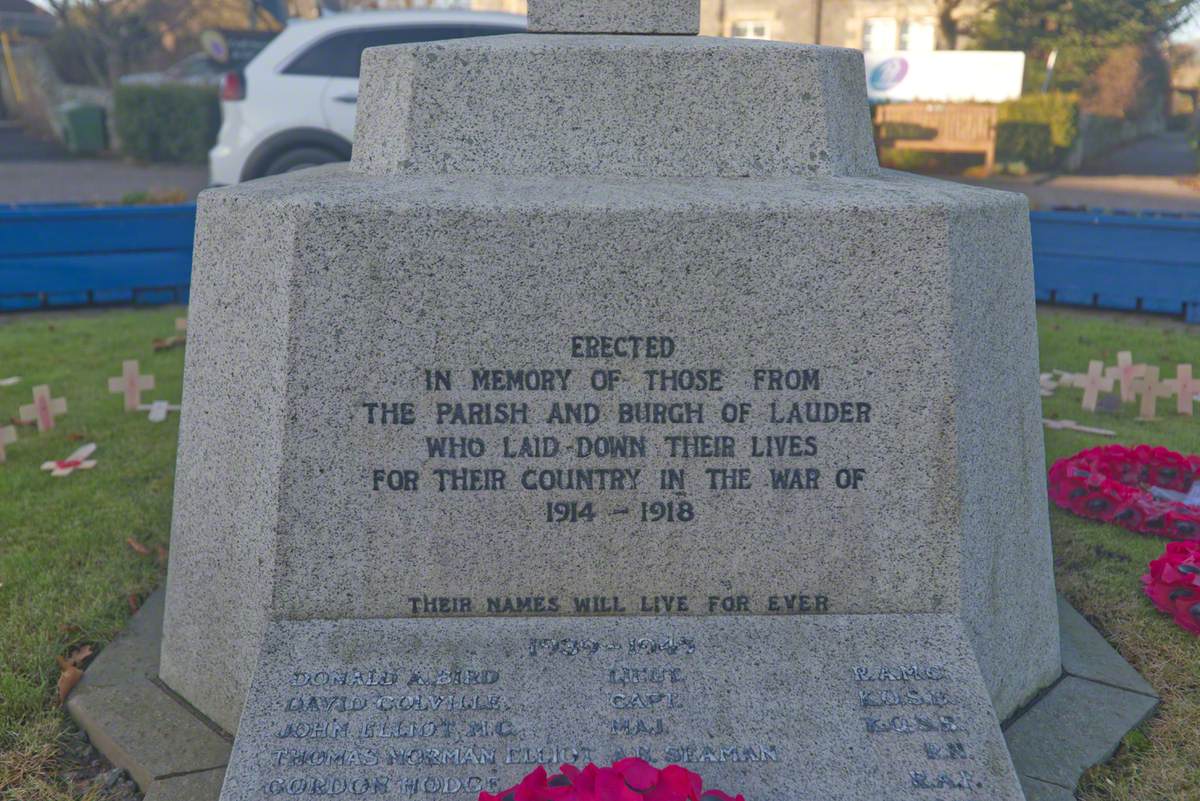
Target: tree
{"type": "Point", "coordinates": [105, 34]}
{"type": "Point", "coordinates": [950, 24]}
{"type": "Point", "coordinates": [1084, 32]}
{"type": "Point", "coordinates": [105, 39]}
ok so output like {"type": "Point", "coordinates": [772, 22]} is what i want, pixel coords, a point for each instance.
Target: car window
{"type": "Point", "coordinates": [339, 55]}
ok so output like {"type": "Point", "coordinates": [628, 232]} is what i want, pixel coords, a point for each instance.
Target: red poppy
{"type": "Point", "coordinates": [629, 779]}
{"type": "Point", "coordinates": [1173, 583]}
{"type": "Point", "coordinates": [1115, 484]}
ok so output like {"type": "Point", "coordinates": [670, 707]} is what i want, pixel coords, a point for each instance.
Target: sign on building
{"type": "Point", "coordinates": [944, 75]}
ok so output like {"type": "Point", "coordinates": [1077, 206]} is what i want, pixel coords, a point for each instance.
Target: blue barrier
{"type": "Point", "coordinates": [1147, 263]}
{"type": "Point", "coordinates": [57, 256]}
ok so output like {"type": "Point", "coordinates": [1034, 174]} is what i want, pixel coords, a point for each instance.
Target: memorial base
{"type": "Point", "coordinates": [836, 707]}
{"type": "Point", "coordinates": [134, 721]}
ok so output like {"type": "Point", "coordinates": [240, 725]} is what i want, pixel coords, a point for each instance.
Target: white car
{"type": "Point", "coordinates": [293, 105]}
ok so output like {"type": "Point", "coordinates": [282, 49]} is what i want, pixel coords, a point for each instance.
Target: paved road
{"type": "Point", "coordinates": [16, 145]}
{"type": "Point", "coordinates": [1147, 174]}
{"type": "Point", "coordinates": [1125, 192]}
{"type": "Point", "coordinates": [1166, 155]}
{"type": "Point", "coordinates": [36, 171]}
{"type": "Point", "coordinates": [1157, 172]}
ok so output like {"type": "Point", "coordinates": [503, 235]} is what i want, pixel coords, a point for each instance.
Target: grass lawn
{"type": "Point", "coordinates": [67, 574]}
{"type": "Point", "coordinates": [1098, 566]}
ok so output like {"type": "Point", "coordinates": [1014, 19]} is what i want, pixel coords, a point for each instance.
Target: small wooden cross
{"type": "Point", "coordinates": [1150, 389]}
{"type": "Point", "coordinates": [132, 384]}
{"type": "Point", "coordinates": [44, 408]}
{"type": "Point", "coordinates": [1127, 373]}
{"type": "Point", "coordinates": [1071, 425]}
{"type": "Point", "coordinates": [1091, 383]}
{"type": "Point", "coordinates": [8, 435]}
{"type": "Point", "coordinates": [158, 410]}
{"type": "Point", "coordinates": [76, 461]}
{"type": "Point", "coordinates": [1185, 387]}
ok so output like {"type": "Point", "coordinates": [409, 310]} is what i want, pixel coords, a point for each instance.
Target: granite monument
{"type": "Point", "coordinates": [611, 401]}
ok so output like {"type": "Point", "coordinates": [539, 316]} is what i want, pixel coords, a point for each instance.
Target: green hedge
{"type": "Point", "coordinates": [1038, 129]}
{"type": "Point", "coordinates": [1029, 142]}
{"type": "Point", "coordinates": [167, 123]}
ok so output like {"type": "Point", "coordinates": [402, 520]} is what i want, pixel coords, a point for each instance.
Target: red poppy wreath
{"type": "Point", "coordinates": [1147, 490]}
{"type": "Point", "coordinates": [1173, 583]}
{"type": "Point", "coordinates": [629, 779]}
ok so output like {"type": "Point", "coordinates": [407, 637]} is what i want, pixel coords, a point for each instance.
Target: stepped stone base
{"type": "Point", "coordinates": [175, 754]}
{"type": "Point", "coordinates": [169, 749]}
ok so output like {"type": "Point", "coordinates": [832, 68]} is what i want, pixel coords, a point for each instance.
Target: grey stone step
{"type": "Point", "coordinates": [137, 723]}
{"type": "Point", "coordinates": [1086, 654]}
{"type": "Point", "coordinates": [1044, 791]}
{"type": "Point", "coordinates": [202, 786]}
{"type": "Point", "coordinates": [1077, 724]}
{"type": "Point", "coordinates": [176, 755]}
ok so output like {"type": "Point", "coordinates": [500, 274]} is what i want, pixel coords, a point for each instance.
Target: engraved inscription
{"type": "Point", "coordinates": [616, 430]}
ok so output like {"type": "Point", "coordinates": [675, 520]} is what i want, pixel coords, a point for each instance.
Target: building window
{"type": "Point", "coordinates": [918, 34]}
{"type": "Point", "coordinates": [750, 29]}
{"type": "Point", "coordinates": [879, 34]}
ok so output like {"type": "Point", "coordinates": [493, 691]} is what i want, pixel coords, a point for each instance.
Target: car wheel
{"type": "Point", "coordinates": [299, 158]}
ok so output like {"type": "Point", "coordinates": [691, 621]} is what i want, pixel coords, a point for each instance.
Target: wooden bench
{"type": "Point", "coordinates": [952, 127]}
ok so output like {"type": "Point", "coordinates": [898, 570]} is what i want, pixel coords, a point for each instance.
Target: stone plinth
{"type": "Point", "coordinates": [909, 295]}
{"type": "Point", "coordinates": [614, 16]}
{"type": "Point", "coordinates": [613, 105]}
{"type": "Point", "coordinates": [608, 340]}
{"type": "Point", "coordinates": [519, 693]}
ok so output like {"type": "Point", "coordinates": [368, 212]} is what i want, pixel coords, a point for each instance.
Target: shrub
{"type": "Point", "coordinates": [1029, 142]}
{"type": "Point", "coordinates": [891, 131]}
{"type": "Point", "coordinates": [1038, 129]}
{"type": "Point", "coordinates": [910, 160]}
{"type": "Point", "coordinates": [1132, 83]}
{"type": "Point", "coordinates": [166, 123]}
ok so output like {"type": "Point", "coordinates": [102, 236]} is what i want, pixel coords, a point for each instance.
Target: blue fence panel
{"type": "Point", "coordinates": [58, 255]}
{"type": "Point", "coordinates": [1149, 263]}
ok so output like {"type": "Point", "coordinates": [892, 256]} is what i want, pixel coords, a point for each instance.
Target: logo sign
{"type": "Point", "coordinates": [215, 47]}
{"type": "Point", "coordinates": [888, 74]}
{"type": "Point", "coordinates": [234, 49]}
{"type": "Point", "coordinates": [944, 76]}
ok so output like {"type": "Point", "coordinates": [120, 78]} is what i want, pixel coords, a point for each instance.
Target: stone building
{"type": "Point", "coordinates": [880, 25]}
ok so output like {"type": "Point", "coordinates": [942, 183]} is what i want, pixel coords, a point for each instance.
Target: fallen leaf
{"type": "Point", "coordinates": [80, 655]}
{"type": "Point", "coordinates": [137, 547]}
{"type": "Point", "coordinates": [134, 603]}
{"type": "Point", "coordinates": [161, 553]}
{"type": "Point", "coordinates": [74, 437]}
{"type": "Point", "coordinates": [168, 342]}
{"type": "Point", "coordinates": [67, 678]}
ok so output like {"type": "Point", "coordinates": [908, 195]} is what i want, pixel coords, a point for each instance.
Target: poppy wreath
{"type": "Point", "coordinates": [1173, 583]}
{"type": "Point", "coordinates": [628, 779]}
{"type": "Point", "coordinates": [1114, 483]}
